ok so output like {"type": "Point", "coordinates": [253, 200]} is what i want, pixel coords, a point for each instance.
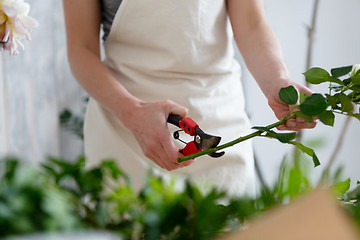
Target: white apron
{"type": "Point", "coordinates": [182, 51]}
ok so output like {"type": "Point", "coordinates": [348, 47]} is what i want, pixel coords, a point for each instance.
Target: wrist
{"type": "Point", "coordinates": [124, 107]}
{"type": "Point", "coordinates": [272, 87]}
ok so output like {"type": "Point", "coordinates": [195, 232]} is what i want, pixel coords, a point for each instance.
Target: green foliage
{"type": "Point", "coordinates": [344, 93]}
{"type": "Point", "coordinates": [30, 203]}
{"type": "Point", "coordinates": [65, 196]}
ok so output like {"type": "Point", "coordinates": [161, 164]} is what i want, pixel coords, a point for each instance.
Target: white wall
{"type": "Point", "coordinates": [35, 87]}
{"type": "Point", "coordinates": [336, 44]}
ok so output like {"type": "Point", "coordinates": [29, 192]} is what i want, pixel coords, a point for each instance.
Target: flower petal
{"type": "Point", "coordinates": [3, 17]}
{"type": "Point", "coordinates": [10, 10]}
{"type": "Point", "coordinates": [29, 22]}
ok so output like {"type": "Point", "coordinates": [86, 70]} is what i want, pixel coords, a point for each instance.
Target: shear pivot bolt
{"type": "Point", "coordinates": [198, 139]}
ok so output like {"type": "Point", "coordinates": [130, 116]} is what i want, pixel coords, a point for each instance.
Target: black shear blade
{"type": "Point", "coordinates": [209, 141]}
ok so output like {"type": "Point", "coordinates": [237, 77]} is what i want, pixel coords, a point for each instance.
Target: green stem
{"type": "Point", "coordinates": [236, 141]}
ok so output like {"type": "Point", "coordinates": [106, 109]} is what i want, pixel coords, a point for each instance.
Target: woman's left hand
{"type": "Point", "coordinates": [281, 109]}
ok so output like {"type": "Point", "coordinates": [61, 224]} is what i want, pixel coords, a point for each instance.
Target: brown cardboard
{"type": "Point", "coordinates": [314, 217]}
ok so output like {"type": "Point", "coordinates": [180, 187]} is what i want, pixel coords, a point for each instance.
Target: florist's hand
{"type": "Point", "coordinates": [148, 123]}
{"type": "Point", "coordinates": [281, 109]}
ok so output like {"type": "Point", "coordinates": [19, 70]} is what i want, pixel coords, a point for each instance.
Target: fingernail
{"type": "Point", "coordinates": [291, 124]}
{"type": "Point", "coordinates": [300, 120]}
{"type": "Point", "coordinates": [282, 128]}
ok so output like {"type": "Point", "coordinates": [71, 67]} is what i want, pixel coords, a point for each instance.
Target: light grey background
{"type": "Point", "coordinates": [37, 85]}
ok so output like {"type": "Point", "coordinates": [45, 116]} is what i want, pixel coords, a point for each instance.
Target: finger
{"type": "Point", "coordinates": [187, 162]}
{"type": "Point", "coordinates": [151, 150]}
{"type": "Point", "coordinates": [173, 152]}
{"type": "Point", "coordinates": [306, 125]}
{"type": "Point", "coordinates": [302, 123]}
{"type": "Point", "coordinates": [296, 126]}
{"type": "Point", "coordinates": [170, 150]}
{"type": "Point", "coordinates": [162, 158]}
{"type": "Point", "coordinates": [177, 109]}
{"type": "Point", "coordinates": [282, 127]}
{"type": "Point", "coordinates": [291, 124]}
{"type": "Point", "coordinates": [300, 120]}
{"type": "Point", "coordinates": [170, 163]}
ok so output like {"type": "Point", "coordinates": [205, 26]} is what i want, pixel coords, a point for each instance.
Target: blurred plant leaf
{"type": "Point", "coordinates": [342, 187]}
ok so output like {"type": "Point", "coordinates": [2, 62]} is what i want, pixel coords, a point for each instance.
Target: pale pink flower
{"type": "Point", "coordinates": [15, 24]}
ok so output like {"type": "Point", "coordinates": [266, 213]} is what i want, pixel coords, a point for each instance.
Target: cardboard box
{"type": "Point", "coordinates": [315, 216]}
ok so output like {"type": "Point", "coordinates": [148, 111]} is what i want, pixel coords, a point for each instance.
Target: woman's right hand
{"type": "Point", "coordinates": [148, 123]}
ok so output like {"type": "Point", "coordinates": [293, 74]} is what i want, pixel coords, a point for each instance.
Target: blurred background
{"type": "Point", "coordinates": [37, 86]}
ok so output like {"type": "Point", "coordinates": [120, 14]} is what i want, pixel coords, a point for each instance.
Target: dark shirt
{"type": "Point", "coordinates": [108, 12]}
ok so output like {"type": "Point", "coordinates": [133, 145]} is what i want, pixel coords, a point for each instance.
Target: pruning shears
{"type": "Point", "coordinates": [202, 140]}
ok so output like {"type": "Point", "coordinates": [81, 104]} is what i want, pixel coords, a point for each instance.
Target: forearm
{"type": "Point", "coordinates": [258, 45]}
{"type": "Point", "coordinates": [98, 81]}
{"type": "Point", "coordinates": [83, 45]}
{"type": "Point", "coordinates": [263, 58]}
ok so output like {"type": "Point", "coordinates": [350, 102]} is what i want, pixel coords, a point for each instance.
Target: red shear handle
{"type": "Point", "coordinates": [189, 126]}
{"type": "Point", "coordinates": [186, 124]}
{"type": "Point", "coordinates": [189, 149]}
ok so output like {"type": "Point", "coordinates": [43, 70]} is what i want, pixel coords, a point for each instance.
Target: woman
{"type": "Point", "coordinates": [168, 56]}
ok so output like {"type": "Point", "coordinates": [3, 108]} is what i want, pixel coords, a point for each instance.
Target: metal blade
{"type": "Point", "coordinates": [208, 141]}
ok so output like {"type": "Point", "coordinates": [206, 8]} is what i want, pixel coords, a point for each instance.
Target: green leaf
{"type": "Point", "coordinates": [307, 118]}
{"type": "Point", "coordinates": [346, 103]}
{"type": "Point", "coordinates": [346, 81]}
{"type": "Point", "coordinates": [355, 88]}
{"type": "Point", "coordinates": [327, 118]}
{"type": "Point", "coordinates": [303, 96]}
{"type": "Point", "coordinates": [316, 75]}
{"type": "Point", "coordinates": [333, 101]}
{"type": "Point", "coordinates": [314, 105]}
{"type": "Point", "coordinates": [285, 137]}
{"type": "Point", "coordinates": [308, 151]}
{"type": "Point", "coordinates": [342, 187]}
{"type": "Point", "coordinates": [288, 95]}
{"type": "Point", "coordinates": [271, 134]}
{"type": "Point", "coordinates": [335, 80]}
{"type": "Point", "coordinates": [341, 71]}
{"type": "Point", "coordinates": [356, 80]}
